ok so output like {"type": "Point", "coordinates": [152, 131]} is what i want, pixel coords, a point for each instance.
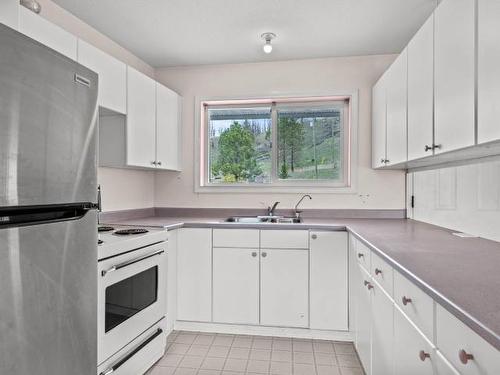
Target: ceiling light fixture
{"type": "Point", "coordinates": [268, 37]}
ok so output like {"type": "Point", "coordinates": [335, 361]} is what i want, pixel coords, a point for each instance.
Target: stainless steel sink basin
{"type": "Point", "coordinates": [263, 219]}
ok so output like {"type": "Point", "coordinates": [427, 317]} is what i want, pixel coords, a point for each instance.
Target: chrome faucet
{"type": "Point", "coordinates": [270, 210]}
{"type": "Point", "coordinates": [297, 211]}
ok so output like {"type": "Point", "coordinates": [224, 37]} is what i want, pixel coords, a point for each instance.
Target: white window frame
{"type": "Point", "coordinates": [350, 158]}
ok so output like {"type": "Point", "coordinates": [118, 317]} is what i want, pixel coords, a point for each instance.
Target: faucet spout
{"type": "Point", "coordinates": [297, 211]}
{"type": "Point", "coordinates": [270, 210]}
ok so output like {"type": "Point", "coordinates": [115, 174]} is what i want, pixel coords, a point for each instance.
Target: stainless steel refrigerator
{"type": "Point", "coordinates": [48, 217]}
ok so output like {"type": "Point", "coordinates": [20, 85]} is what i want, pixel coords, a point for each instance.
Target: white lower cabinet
{"type": "Point", "coordinates": [9, 13]}
{"type": "Point", "coordinates": [284, 287]}
{"type": "Point", "coordinates": [413, 353]}
{"type": "Point", "coordinates": [467, 352]}
{"type": "Point", "coordinates": [236, 285]}
{"type": "Point", "coordinates": [382, 331]}
{"type": "Point", "coordinates": [363, 319]}
{"type": "Point", "coordinates": [194, 274]}
{"type": "Point", "coordinates": [329, 287]}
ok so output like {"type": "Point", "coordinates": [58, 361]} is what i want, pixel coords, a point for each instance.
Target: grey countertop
{"type": "Point", "coordinates": [462, 274]}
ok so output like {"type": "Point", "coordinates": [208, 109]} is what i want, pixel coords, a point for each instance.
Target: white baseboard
{"type": "Point", "coordinates": [238, 329]}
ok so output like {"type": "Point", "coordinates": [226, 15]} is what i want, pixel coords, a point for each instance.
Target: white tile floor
{"type": "Point", "coordinates": [195, 353]}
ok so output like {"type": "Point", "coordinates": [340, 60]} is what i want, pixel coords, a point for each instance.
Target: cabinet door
{"type": "Point", "coordinates": [408, 345]}
{"type": "Point", "coordinates": [421, 91]}
{"type": "Point", "coordinates": [488, 84]}
{"type": "Point", "coordinates": [141, 120]}
{"type": "Point", "coordinates": [45, 32]}
{"type": "Point", "coordinates": [454, 74]}
{"type": "Point", "coordinates": [236, 285]}
{"type": "Point", "coordinates": [396, 110]}
{"type": "Point", "coordinates": [363, 320]}
{"type": "Point", "coordinates": [284, 288]}
{"type": "Point", "coordinates": [9, 13]}
{"type": "Point", "coordinates": [379, 123]}
{"type": "Point", "coordinates": [194, 274]}
{"type": "Point", "coordinates": [112, 76]}
{"type": "Point", "coordinates": [382, 332]}
{"type": "Point", "coordinates": [168, 126]}
{"type": "Point", "coordinates": [328, 290]}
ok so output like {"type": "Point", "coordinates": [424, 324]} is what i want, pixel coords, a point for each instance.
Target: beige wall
{"type": "Point", "coordinates": [378, 189]}
{"type": "Point", "coordinates": [122, 188]}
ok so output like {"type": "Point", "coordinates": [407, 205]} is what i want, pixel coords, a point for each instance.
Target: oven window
{"type": "Point", "coordinates": [129, 296]}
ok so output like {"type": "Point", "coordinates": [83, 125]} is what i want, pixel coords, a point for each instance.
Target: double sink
{"type": "Point", "coordinates": [264, 219]}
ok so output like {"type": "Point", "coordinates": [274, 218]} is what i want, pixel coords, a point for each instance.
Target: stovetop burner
{"type": "Point", "coordinates": [126, 232]}
{"type": "Point", "coordinates": [105, 229]}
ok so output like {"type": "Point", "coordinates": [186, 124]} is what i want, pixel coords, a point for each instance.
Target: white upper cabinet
{"type": "Point", "coordinates": [454, 75]}
{"type": "Point", "coordinates": [45, 32]}
{"type": "Point", "coordinates": [379, 123]}
{"type": "Point", "coordinates": [396, 110]}
{"type": "Point", "coordinates": [112, 76]}
{"type": "Point", "coordinates": [488, 85]}
{"type": "Point", "coordinates": [168, 140]}
{"type": "Point", "coordinates": [421, 92]}
{"type": "Point", "coordinates": [141, 120]}
{"type": "Point", "coordinates": [9, 13]}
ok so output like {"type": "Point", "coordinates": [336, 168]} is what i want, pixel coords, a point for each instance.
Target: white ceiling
{"type": "Point", "coordinates": [189, 32]}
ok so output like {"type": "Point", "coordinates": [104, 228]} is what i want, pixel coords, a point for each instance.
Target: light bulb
{"type": "Point", "coordinates": [268, 47]}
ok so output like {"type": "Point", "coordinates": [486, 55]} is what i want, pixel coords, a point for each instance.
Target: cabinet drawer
{"type": "Point", "coordinates": [363, 255]}
{"type": "Point", "coordinates": [454, 339]}
{"type": "Point", "coordinates": [417, 305]}
{"type": "Point", "coordinates": [382, 273]}
{"type": "Point", "coordinates": [284, 239]}
{"type": "Point", "coordinates": [236, 238]}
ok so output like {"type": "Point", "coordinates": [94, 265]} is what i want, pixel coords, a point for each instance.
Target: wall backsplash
{"type": "Point", "coordinates": [464, 198]}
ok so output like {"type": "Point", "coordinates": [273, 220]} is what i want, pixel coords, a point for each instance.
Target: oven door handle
{"type": "Point", "coordinates": [118, 364]}
{"type": "Point", "coordinates": [130, 262]}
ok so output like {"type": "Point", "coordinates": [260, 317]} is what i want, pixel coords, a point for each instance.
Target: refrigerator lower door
{"type": "Point", "coordinates": [48, 138]}
{"type": "Point", "coordinates": [48, 298]}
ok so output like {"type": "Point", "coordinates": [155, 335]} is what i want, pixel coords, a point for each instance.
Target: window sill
{"type": "Point", "coordinates": [318, 189]}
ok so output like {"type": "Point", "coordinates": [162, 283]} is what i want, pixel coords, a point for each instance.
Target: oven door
{"type": "Point", "coordinates": [131, 296]}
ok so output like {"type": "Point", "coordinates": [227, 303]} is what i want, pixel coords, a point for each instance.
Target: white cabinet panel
{"type": "Point", "coordinates": [284, 287]}
{"type": "Point", "coordinates": [396, 110]}
{"type": "Point", "coordinates": [9, 13]}
{"type": "Point", "coordinates": [141, 119]}
{"type": "Point", "coordinates": [284, 239]}
{"type": "Point", "coordinates": [454, 74]}
{"type": "Point", "coordinates": [168, 126]}
{"type": "Point", "coordinates": [171, 280]}
{"type": "Point", "coordinates": [236, 238]}
{"type": "Point", "coordinates": [328, 290]}
{"type": "Point", "coordinates": [488, 85]}
{"type": "Point", "coordinates": [409, 345]}
{"type": "Point", "coordinates": [236, 286]}
{"type": "Point", "coordinates": [112, 76]}
{"type": "Point", "coordinates": [421, 91]}
{"type": "Point", "coordinates": [416, 304]}
{"type": "Point", "coordinates": [379, 123]}
{"type": "Point", "coordinates": [45, 32]}
{"type": "Point", "coordinates": [382, 333]}
{"type": "Point", "coordinates": [194, 274]}
{"type": "Point", "coordinates": [453, 337]}
{"type": "Point", "coordinates": [363, 319]}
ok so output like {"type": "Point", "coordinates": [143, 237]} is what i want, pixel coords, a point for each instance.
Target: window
{"type": "Point", "coordinates": [276, 143]}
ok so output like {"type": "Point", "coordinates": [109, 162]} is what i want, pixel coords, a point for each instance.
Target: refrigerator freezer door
{"type": "Point", "coordinates": [48, 314]}
{"type": "Point", "coordinates": [48, 106]}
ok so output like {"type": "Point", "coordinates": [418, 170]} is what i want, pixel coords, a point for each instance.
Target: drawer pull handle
{"type": "Point", "coordinates": [423, 355]}
{"type": "Point", "coordinates": [264, 254]}
{"type": "Point", "coordinates": [378, 271]}
{"type": "Point", "coordinates": [314, 236]}
{"type": "Point", "coordinates": [368, 285]}
{"type": "Point", "coordinates": [361, 255]}
{"type": "Point", "coordinates": [254, 254]}
{"type": "Point", "coordinates": [465, 357]}
{"type": "Point", "coordinates": [406, 300]}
